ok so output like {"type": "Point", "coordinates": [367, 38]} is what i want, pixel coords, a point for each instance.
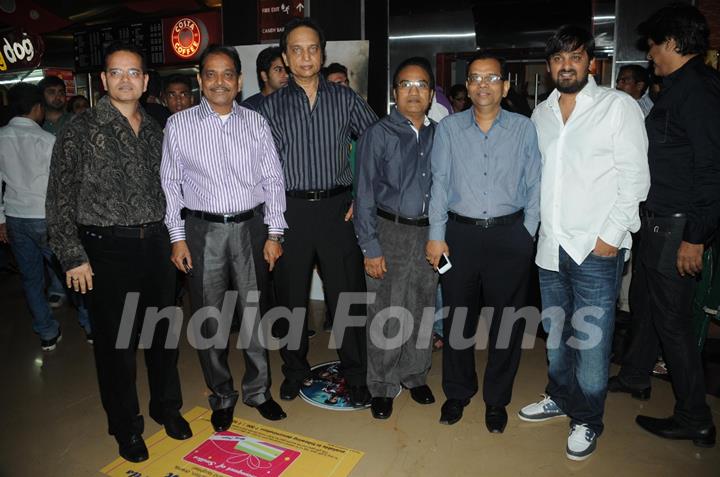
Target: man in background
{"type": "Point", "coordinates": [271, 75]}
{"type": "Point", "coordinates": [635, 81]}
{"type": "Point", "coordinates": [177, 93]}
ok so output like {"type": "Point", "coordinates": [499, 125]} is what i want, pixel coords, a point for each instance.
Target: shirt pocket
{"type": "Point", "coordinates": [657, 124]}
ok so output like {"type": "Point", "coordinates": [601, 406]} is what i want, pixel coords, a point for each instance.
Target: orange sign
{"type": "Point", "coordinates": [185, 38]}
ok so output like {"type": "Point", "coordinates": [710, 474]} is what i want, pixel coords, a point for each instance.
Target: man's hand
{"type": "Point", "coordinates": [272, 252]}
{"type": "Point", "coordinates": [3, 234]}
{"type": "Point", "coordinates": [181, 255]}
{"type": "Point", "coordinates": [689, 258]}
{"type": "Point", "coordinates": [375, 267]}
{"type": "Point", "coordinates": [603, 249]}
{"type": "Point", "coordinates": [434, 250]}
{"type": "Point", "coordinates": [349, 213]}
{"type": "Point", "coordinates": [80, 278]}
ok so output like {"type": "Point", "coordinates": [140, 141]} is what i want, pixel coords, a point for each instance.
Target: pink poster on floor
{"type": "Point", "coordinates": [236, 455]}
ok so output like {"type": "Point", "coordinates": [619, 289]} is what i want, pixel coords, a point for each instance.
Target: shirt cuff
{"type": "Point", "coordinates": [612, 234]}
{"type": "Point", "coordinates": [437, 232]}
{"type": "Point", "coordinates": [176, 233]}
{"type": "Point", "coordinates": [531, 226]}
{"type": "Point", "coordinates": [371, 249]}
{"type": "Point", "coordinates": [276, 231]}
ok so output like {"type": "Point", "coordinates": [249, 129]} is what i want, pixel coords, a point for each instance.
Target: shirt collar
{"type": "Point", "coordinates": [106, 113]}
{"type": "Point", "coordinates": [397, 117]}
{"type": "Point", "coordinates": [673, 77]}
{"type": "Point", "coordinates": [501, 119]}
{"type": "Point", "coordinates": [323, 84]}
{"type": "Point", "coordinates": [205, 110]}
{"type": "Point", "coordinates": [21, 121]}
{"type": "Point", "coordinates": [590, 90]}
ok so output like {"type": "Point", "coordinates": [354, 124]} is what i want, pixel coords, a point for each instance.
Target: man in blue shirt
{"type": "Point", "coordinates": [484, 212]}
{"type": "Point", "coordinates": [391, 222]}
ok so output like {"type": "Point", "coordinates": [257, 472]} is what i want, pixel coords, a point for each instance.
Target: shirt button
{"type": "Point", "coordinates": [422, 153]}
{"type": "Point", "coordinates": [484, 193]}
{"type": "Point", "coordinates": [426, 195]}
{"type": "Point", "coordinates": [485, 155]}
{"type": "Point", "coordinates": [486, 138]}
{"type": "Point", "coordinates": [484, 173]}
{"type": "Point", "coordinates": [485, 212]}
{"type": "Point", "coordinates": [423, 174]}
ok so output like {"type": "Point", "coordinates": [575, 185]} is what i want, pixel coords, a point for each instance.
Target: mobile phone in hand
{"type": "Point", "coordinates": [444, 264]}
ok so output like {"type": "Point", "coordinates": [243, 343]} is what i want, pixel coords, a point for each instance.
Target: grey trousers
{"type": "Point", "coordinates": [229, 257]}
{"type": "Point", "coordinates": [410, 283]}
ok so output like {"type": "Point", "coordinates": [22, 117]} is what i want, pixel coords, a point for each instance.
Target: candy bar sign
{"type": "Point", "coordinates": [20, 51]}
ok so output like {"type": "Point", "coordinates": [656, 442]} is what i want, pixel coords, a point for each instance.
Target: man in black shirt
{"type": "Point", "coordinates": [312, 121]}
{"type": "Point", "coordinates": [105, 209]}
{"type": "Point", "coordinates": [680, 216]}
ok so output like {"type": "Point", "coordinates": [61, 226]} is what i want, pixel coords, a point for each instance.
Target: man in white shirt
{"type": "Point", "coordinates": [595, 174]}
{"type": "Point", "coordinates": [25, 151]}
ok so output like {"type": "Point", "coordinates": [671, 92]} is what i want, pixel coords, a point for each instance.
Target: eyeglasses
{"type": "Point", "coordinates": [117, 73]}
{"type": "Point", "coordinates": [491, 79]}
{"type": "Point", "coordinates": [408, 84]}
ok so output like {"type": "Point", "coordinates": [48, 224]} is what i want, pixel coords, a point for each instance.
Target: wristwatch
{"type": "Point", "coordinates": [276, 238]}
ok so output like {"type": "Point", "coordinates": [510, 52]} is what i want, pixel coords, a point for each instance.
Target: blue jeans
{"type": "Point", "coordinates": [28, 239]}
{"type": "Point", "coordinates": [579, 345]}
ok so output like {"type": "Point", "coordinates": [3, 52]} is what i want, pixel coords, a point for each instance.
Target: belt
{"type": "Point", "coordinates": [125, 231]}
{"type": "Point", "coordinates": [649, 214]}
{"type": "Point", "coordinates": [221, 218]}
{"type": "Point", "coordinates": [314, 195]}
{"type": "Point", "coordinates": [419, 222]}
{"type": "Point", "coordinates": [486, 223]}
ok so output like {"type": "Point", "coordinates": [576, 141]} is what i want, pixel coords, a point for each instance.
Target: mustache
{"type": "Point", "coordinates": [567, 71]}
{"type": "Point", "coordinates": [220, 88]}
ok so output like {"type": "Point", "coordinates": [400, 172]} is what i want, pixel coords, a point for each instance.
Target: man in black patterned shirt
{"type": "Point", "coordinates": [105, 209]}
{"type": "Point", "coordinates": [312, 121]}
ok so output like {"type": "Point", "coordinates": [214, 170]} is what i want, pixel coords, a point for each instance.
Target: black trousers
{"type": "Point", "coordinates": [121, 266]}
{"type": "Point", "coordinates": [318, 232]}
{"type": "Point", "coordinates": [662, 315]}
{"type": "Point", "coordinates": [490, 267]}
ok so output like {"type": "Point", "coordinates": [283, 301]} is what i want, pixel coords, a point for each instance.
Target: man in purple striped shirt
{"type": "Point", "coordinates": [225, 201]}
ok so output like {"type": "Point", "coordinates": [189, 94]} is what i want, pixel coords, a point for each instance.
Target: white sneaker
{"type": "Point", "coordinates": [541, 411]}
{"type": "Point", "coordinates": [581, 443]}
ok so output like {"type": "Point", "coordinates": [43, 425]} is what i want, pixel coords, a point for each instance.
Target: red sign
{"type": "Point", "coordinates": [185, 38]}
{"type": "Point", "coordinates": [20, 51]}
{"type": "Point", "coordinates": [274, 15]}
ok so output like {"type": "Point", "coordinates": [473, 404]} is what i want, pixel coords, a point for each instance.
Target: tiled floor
{"type": "Point", "coordinates": [53, 424]}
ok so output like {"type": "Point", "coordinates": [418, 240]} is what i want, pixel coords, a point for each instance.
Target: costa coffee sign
{"type": "Point", "coordinates": [20, 51]}
{"type": "Point", "coordinates": [185, 38]}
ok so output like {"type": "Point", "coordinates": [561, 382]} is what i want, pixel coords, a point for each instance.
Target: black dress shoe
{"type": "Point", "coordinates": [359, 396]}
{"type": "Point", "coordinates": [222, 419]}
{"type": "Point", "coordinates": [615, 385]}
{"type": "Point", "coordinates": [496, 419]}
{"type": "Point", "coordinates": [289, 390]}
{"type": "Point", "coordinates": [381, 407]}
{"type": "Point", "coordinates": [177, 427]}
{"type": "Point", "coordinates": [452, 411]}
{"type": "Point", "coordinates": [132, 448]}
{"type": "Point", "coordinates": [422, 394]}
{"type": "Point", "coordinates": [671, 429]}
{"type": "Point", "coordinates": [271, 410]}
